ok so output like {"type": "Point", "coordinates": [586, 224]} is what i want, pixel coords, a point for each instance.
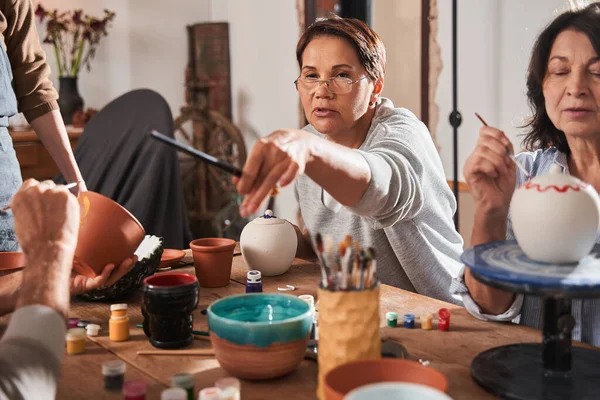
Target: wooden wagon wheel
{"type": "Point", "coordinates": [208, 190]}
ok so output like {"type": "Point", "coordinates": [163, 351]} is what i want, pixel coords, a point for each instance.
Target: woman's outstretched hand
{"type": "Point", "coordinates": [277, 159]}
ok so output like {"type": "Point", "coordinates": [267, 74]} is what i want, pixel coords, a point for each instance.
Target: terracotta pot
{"type": "Point", "coordinates": [10, 260]}
{"type": "Point", "coordinates": [212, 260]}
{"type": "Point", "coordinates": [347, 377]}
{"type": "Point", "coordinates": [108, 234]}
{"type": "Point", "coordinates": [257, 363]}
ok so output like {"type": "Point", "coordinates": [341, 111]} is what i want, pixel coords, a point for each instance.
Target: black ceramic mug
{"type": "Point", "coordinates": [167, 305]}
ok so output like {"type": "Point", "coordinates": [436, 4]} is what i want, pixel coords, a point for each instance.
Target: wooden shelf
{"type": "Point", "coordinates": [34, 159]}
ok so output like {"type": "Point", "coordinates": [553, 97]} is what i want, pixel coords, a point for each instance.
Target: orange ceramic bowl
{"type": "Point", "coordinates": [347, 377]}
{"type": "Point", "coordinates": [10, 260]}
{"type": "Point", "coordinates": [108, 234]}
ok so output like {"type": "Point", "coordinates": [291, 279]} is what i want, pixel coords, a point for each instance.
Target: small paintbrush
{"type": "Point", "coordinates": [67, 186]}
{"type": "Point", "coordinates": [319, 243]}
{"type": "Point", "coordinates": [344, 252]}
{"type": "Point", "coordinates": [333, 266]}
{"type": "Point", "coordinates": [371, 267]}
{"type": "Point", "coordinates": [509, 153]}
{"type": "Point", "coordinates": [355, 268]}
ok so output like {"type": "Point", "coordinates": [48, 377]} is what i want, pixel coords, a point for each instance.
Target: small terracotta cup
{"type": "Point", "coordinates": [212, 260]}
{"type": "Point", "coordinates": [108, 234]}
{"type": "Point", "coordinates": [10, 260]}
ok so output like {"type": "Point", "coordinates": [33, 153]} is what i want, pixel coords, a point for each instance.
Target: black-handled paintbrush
{"type": "Point", "coordinates": [197, 153]}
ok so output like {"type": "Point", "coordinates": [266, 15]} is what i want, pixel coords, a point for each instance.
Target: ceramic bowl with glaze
{"type": "Point", "coordinates": [269, 244]}
{"type": "Point", "coordinates": [555, 217]}
{"type": "Point", "coordinates": [11, 260]}
{"type": "Point", "coordinates": [396, 391]}
{"type": "Point", "coordinates": [108, 234]}
{"type": "Point", "coordinates": [260, 335]}
{"type": "Point", "coordinates": [345, 378]}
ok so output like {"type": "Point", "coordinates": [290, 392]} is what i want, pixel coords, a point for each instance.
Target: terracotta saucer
{"type": "Point", "coordinates": [10, 260]}
{"type": "Point", "coordinates": [171, 257]}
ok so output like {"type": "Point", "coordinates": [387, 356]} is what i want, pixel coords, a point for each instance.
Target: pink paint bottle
{"type": "Point", "coordinates": [134, 390]}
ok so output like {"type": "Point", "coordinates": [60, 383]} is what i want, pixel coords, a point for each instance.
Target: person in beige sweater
{"type": "Point", "coordinates": [25, 86]}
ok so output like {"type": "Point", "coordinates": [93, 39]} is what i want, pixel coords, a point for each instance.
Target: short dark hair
{"type": "Point", "coordinates": [541, 131]}
{"type": "Point", "coordinates": [368, 45]}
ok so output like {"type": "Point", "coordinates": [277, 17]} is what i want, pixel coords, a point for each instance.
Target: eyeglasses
{"type": "Point", "coordinates": [335, 84]}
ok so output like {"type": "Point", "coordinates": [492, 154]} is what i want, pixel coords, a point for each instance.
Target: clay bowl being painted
{"type": "Point", "coordinates": [212, 260]}
{"type": "Point", "coordinates": [11, 260]}
{"type": "Point", "coordinates": [345, 378]}
{"type": "Point", "coordinates": [108, 234]}
{"type": "Point", "coordinates": [261, 335]}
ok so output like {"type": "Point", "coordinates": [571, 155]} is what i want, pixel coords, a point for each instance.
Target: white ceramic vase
{"type": "Point", "coordinates": [555, 217]}
{"type": "Point", "coordinates": [269, 244]}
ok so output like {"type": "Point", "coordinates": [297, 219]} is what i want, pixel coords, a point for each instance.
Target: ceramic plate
{"type": "Point", "coordinates": [171, 257]}
{"type": "Point", "coordinates": [505, 262]}
{"type": "Point", "coordinates": [396, 391]}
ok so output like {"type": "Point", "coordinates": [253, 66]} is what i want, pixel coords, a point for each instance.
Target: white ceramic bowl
{"type": "Point", "coordinates": [396, 391]}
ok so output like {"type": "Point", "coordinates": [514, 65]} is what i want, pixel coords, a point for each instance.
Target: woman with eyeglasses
{"type": "Point", "coordinates": [361, 167]}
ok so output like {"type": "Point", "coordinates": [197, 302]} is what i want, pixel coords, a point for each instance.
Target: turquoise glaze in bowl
{"type": "Point", "coordinates": [259, 335]}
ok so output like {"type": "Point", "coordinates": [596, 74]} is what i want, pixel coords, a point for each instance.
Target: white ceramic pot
{"type": "Point", "coordinates": [555, 217]}
{"type": "Point", "coordinates": [269, 244]}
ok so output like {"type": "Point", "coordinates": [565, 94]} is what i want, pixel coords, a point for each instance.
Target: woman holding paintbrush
{"type": "Point", "coordinates": [362, 167]}
{"type": "Point", "coordinates": [563, 87]}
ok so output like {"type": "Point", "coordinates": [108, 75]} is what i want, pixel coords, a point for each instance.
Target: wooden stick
{"type": "Point", "coordinates": [189, 352]}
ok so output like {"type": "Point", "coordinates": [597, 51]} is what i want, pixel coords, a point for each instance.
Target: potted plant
{"type": "Point", "coordinates": [75, 37]}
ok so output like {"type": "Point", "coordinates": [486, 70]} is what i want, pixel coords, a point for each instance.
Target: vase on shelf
{"type": "Point", "coordinates": [69, 99]}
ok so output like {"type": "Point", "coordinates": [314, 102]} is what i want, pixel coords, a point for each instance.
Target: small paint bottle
{"type": "Point", "coordinates": [409, 321]}
{"type": "Point", "coordinates": [82, 323]}
{"type": "Point", "coordinates": [118, 327]}
{"type": "Point", "coordinates": [92, 329]}
{"type": "Point", "coordinates": [186, 382]}
{"type": "Point", "coordinates": [134, 390]}
{"type": "Point", "coordinates": [174, 393]}
{"type": "Point", "coordinates": [392, 319]}
{"type": "Point", "coordinates": [427, 322]}
{"type": "Point", "coordinates": [72, 323]}
{"type": "Point", "coordinates": [443, 319]}
{"type": "Point", "coordinates": [254, 282]}
{"type": "Point", "coordinates": [230, 388]}
{"type": "Point", "coordinates": [210, 393]}
{"type": "Point", "coordinates": [75, 341]}
{"type": "Point", "coordinates": [114, 375]}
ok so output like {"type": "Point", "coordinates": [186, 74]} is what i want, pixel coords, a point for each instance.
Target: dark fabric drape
{"type": "Point", "coordinates": [118, 159]}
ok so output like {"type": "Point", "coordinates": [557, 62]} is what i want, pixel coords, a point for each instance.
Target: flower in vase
{"type": "Point", "coordinates": [75, 37]}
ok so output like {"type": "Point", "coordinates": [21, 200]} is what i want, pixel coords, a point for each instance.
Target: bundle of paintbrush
{"type": "Point", "coordinates": [348, 268]}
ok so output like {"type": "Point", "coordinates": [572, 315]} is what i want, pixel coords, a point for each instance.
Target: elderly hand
{"type": "Point", "coordinates": [46, 218]}
{"type": "Point", "coordinates": [277, 158]}
{"type": "Point", "coordinates": [109, 276]}
{"type": "Point", "coordinates": [490, 172]}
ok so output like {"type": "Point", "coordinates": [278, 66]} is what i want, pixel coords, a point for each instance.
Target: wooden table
{"type": "Point", "coordinates": [449, 352]}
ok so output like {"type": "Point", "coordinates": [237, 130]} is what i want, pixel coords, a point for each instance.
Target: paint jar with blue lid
{"type": "Point", "coordinates": [409, 321]}
{"type": "Point", "coordinates": [254, 282]}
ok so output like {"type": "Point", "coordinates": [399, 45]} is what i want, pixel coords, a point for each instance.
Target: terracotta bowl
{"type": "Point", "coordinates": [10, 260]}
{"type": "Point", "coordinates": [343, 379]}
{"type": "Point", "coordinates": [261, 335]}
{"type": "Point", "coordinates": [212, 260]}
{"type": "Point", "coordinates": [108, 234]}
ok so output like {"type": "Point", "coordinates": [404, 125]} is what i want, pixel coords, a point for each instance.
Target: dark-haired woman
{"type": "Point", "coordinates": [563, 87]}
{"type": "Point", "coordinates": [362, 167]}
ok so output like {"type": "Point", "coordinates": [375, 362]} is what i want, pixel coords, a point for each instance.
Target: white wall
{"type": "Point", "coordinates": [495, 38]}
{"type": "Point", "coordinates": [263, 36]}
{"type": "Point", "coordinates": [147, 48]}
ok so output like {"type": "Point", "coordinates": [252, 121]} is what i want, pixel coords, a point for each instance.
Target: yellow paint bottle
{"type": "Point", "coordinates": [75, 341]}
{"type": "Point", "coordinates": [118, 325]}
{"type": "Point", "coordinates": [427, 322]}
